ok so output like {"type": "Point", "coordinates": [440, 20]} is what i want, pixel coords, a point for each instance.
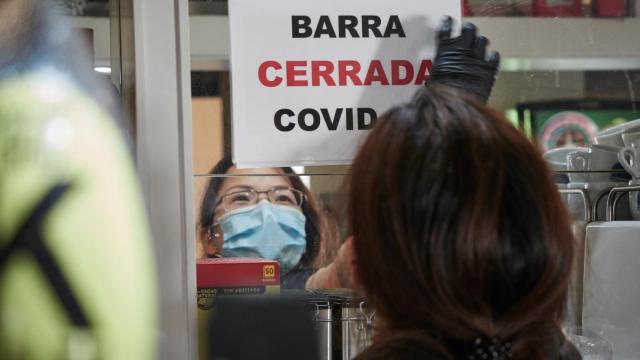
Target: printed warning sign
{"type": "Point", "coordinates": [309, 78]}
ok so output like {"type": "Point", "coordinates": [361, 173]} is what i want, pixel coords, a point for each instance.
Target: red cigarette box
{"type": "Point", "coordinates": [610, 8]}
{"type": "Point", "coordinates": [235, 276]}
{"type": "Point", "coordinates": [557, 8]}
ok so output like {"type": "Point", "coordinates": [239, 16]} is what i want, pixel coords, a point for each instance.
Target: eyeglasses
{"type": "Point", "coordinates": [247, 196]}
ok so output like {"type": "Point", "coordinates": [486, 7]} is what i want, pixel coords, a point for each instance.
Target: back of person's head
{"type": "Point", "coordinates": [459, 234]}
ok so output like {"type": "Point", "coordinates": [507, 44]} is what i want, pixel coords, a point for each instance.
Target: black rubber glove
{"type": "Point", "coordinates": [461, 62]}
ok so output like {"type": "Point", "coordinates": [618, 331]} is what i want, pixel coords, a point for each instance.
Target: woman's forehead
{"type": "Point", "coordinates": [260, 179]}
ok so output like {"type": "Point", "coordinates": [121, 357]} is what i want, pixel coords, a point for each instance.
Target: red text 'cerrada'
{"type": "Point", "coordinates": [272, 73]}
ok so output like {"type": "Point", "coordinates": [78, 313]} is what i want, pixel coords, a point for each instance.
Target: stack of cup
{"type": "Point", "coordinates": [557, 160]}
{"type": "Point", "coordinates": [629, 157]}
{"type": "Point", "coordinates": [593, 168]}
{"type": "Point", "coordinates": [597, 168]}
{"type": "Point", "coordinates": [614, 136]}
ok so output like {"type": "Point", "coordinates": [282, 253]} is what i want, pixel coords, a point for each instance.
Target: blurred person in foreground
{"type": "Point", "coordinates": [76, 265]}
{"type": "Point", "coordinates": [460, 240]}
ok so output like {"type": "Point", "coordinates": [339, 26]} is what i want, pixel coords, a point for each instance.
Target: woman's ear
{"type": "Point", "coordinates": [211, 241]}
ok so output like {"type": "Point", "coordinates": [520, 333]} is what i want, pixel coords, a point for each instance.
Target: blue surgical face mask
{"type": "Point", "coordinates": [267, 231]}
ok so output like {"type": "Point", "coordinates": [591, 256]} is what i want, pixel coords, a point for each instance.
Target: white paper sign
{"type": "Point", "coordinates": [308, 77]}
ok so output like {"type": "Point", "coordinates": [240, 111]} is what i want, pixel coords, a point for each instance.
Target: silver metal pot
{"type": "Point", "coordinates": [347, 328]}
{"type": "Point", "coordinates": [322, 317]}
{"type": "Point", "coordinates": [356, 325]}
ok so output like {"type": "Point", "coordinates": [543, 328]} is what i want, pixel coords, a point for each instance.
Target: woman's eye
{"type": "Point", "coordinates": [285, 199]}
{"type": "Point", "coordinates": [239, 198]}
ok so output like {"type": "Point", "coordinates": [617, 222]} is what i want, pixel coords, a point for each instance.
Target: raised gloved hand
{"type": "Point", "coordinates": [461, 62]}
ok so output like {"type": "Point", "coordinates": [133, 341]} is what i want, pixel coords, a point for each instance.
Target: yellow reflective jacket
{"type": "Point", "coordinates": [52, 136]}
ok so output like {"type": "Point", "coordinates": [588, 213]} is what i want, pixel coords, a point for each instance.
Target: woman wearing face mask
{"type": "Point", "coordinates": [265, 213]}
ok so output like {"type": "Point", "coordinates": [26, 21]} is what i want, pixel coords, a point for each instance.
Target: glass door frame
{"type": "Point", "coordinates": [155, 54]}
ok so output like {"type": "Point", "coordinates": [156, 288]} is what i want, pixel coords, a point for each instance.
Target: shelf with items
{"type": "Point", "coordinates": [564, 8]}
{"type": "Point", "coordinates": [596, 8]}
{"type": "Point", "coordinates": [526, 43]}
{"type": "Point", "coordinates": [530, 43]}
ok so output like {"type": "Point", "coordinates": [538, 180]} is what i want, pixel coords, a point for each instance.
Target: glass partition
{"type": "Point", "coordinates": [566, 73]}
{"type": "Point", "coordinates": [569, 80]}
{"type": "Point", "coordinates": [570, 70]}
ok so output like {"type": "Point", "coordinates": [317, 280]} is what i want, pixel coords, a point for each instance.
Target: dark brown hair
{"type": "Point", "coordinates": [319, 232]}
{"type": "Point", "coordinates": [459, 233]}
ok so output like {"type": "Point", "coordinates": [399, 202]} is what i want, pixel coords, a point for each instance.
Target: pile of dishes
{"type": "Point", "coordinates": [614, 160]}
